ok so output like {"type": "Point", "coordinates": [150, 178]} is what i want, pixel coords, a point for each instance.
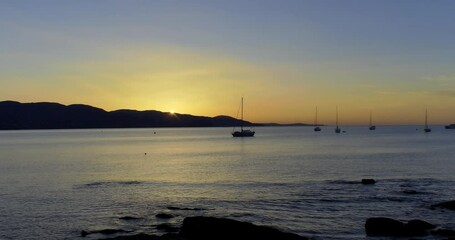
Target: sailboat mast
{"type": "Point", "coordinates": [426, 118]}
{"type": "Point", "coordinates": [371, 119]}
{"type": "Point", "coordinates": [316, 118]}
{"type": "Point", "coordinates": [337, 116]}
{"type": "Point", "coordinates": [241, 124]}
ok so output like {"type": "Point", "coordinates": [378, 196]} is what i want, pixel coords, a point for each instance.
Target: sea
{"type": "Point", "coordinates": [56, 183]}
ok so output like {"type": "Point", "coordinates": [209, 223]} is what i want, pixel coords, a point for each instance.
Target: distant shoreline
{"type": "Point", "coordinates": [47, 116]}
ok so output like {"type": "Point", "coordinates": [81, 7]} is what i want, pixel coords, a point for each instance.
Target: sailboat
{"type": "Point", "coordinates": [427, 128]}
{"type": "Point", "coordinates": [243, 132]}
{"type": "Point", "coordinates": [372, 127]}
{"type": "Point", "coordinates": [317, 128]}
{"type": "Point", "coordinates": [337, 129]}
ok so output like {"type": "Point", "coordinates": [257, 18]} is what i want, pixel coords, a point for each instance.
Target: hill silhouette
{"type": "Point", "coordinates": [46, 115]}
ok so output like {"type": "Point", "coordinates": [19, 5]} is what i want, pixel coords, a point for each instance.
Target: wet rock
{"type": "Point", "coordinates": [368, 181]}
{"type": "Point", "coordinates": [167, 228]}
{"type": "Point", "coordinates": [208, 228]}
{"type": "Point", "coordinates": [446, 205]}
{"type": "Point", "coordinates": [141, 236]}
{"type": "Point", "coordinates": [103, 231]}
{"type": "Point", "coordinates": [164, 215]}
{"type": "Point", "coordinates": [411, 192]}
{"type": "Point", "coordinates": [84, 233]}
{"type": "Point", "coordinates": [394, 228]}
{"type": "Point", "coordinates": [418, 228]}
{"type": "Point", "coordinates": [384, 227]}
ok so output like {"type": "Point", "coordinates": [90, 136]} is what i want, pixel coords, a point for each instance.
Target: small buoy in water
{"type": "Point", "coordinates": [154, 132]}
{"type": "Point", "coordinates": [145, 153]}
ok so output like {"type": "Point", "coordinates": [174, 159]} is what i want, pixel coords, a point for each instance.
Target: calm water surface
{"type": "Point", "coordinates": [53, 184]}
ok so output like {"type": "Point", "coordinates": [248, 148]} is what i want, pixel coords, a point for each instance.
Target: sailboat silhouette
{"type": "Point", "coordinates": [427, 128]}
{"type": "Point", "coordinates": [372, 127]}
{"type": "Point", "coordinates": [337, 129]}
{"type": "Point", "coordinates": [243, 132]}
{"type": "Point", "coordinates": [317, 128]}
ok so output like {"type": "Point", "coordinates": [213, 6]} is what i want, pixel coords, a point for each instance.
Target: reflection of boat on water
{"type": "Point", "coordinates": [243, 132]}
{"type": "Point", "coordinates": [317, 128]}
{"type": "Point", "coordinates": [450, 126]}
{"type": "Point", "coordinates": [427, 128]}
{"type": "Point", "coordinates": [372, 127]}
{"type": "Point", "coordinates": [337, 129]}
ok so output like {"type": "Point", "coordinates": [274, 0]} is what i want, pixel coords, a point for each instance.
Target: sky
{"type": "Point", "coordinates": [394, 58]}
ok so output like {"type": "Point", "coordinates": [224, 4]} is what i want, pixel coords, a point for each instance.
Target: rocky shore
{"type": "Point", "coordinates": [207, 228]}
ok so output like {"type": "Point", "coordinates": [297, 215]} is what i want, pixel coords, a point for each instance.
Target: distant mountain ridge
{"type": "Point", "coordinates": [48, 115]}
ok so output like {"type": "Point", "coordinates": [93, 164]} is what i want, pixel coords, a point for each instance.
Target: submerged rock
{"type": "Point", "coordinates": [166, 227]}
{"type": "Point", "coordinates": [208, 228]}
{"type": "Point", "coordinates": [185, 208]}
{"type": "Point", "coordinates": [164, 215]}
{"type": "Point", "coordinates": [103, 231]}
{"type": "Point", "coordinates": [446, 205]}
{"type": "Point", "coordinates": [368, 181]}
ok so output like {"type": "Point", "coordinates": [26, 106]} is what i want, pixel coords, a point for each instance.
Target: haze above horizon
{"type": "Point", "coordinates": [394, 58]}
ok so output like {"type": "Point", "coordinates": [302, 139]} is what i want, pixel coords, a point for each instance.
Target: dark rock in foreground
{"type": "Point", "coordinates": [143, 236]}
{"type": "Point", "coordinates": [368, 181]}
{"type": "Point", "coordinates": [384, 227]}
{"type": "Point", "coordinates": [391, 227]}
{"type": "Point", "coordinates": [447, 205]}
{"type": "Point", "coordinates": [205, 228]}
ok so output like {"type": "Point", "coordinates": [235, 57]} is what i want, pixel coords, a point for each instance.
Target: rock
{"type": "Point", "coordinates": [418, 228]}
{"type": "Point", "coordinates": [384, 227]}
{"type": "Point", "coordinates": [141, 236]}
{"type": "Point", "coordinates": [447, 205]}
{"type": "Point", "coordinates": [411, 192]}
{"type": "Point", "coordinates": [167, 228]}
{"type": "Point", "coordinates": [208, 228]}
{"type": "Point", "coordinates": [164, 215]}
{"type": "Point", "coordinates": [368, 181]}
{"type": "Point", "coordinates": [390, 227]}
{"type": "Point", "coordinates": [84, 233]}
{"type": "Point", "coordinates": [103, 231]}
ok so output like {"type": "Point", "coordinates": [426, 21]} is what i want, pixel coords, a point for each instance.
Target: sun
{"type": "Point", "coordinates": [172, 111]}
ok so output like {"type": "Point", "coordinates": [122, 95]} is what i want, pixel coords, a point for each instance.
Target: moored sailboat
{"type": "Point", "coordinates": [317, 128]}
{"type": "Point", "coordinates": [243, 132]}
{"type": "Point", "coordinates": [372, 127]}
{"type": "Point", "coordinates": [337, 129]}
{"type": "Point", "coordinates": [427, 128]}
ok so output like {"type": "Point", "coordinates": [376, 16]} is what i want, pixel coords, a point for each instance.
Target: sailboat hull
{"type": "Point", "coordinates": [244, 133]}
